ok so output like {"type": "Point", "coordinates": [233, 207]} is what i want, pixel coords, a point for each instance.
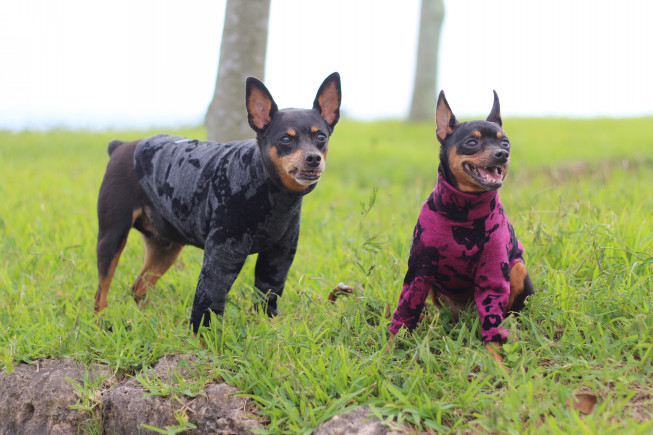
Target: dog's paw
{"type": "Point", "coordinates": [493, 347]}
{"type": "Point", "coordinates": [269, 303]}
{"type": "Point", "coordinates": [272, 311]}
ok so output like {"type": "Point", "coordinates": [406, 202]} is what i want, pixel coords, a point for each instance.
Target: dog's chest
{"type": "Point", "coordinates": [458, 245]}
{"type": "Point", "coordinates": [456, 252]}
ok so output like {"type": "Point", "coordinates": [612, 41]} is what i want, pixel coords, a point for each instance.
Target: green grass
{"type": "Point", "coordinates": [580, 196]}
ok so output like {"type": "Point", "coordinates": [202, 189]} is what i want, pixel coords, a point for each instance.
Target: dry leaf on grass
{"type": "Point", "coordinates": [583, 402]}
{"type": "Point", "coordinates": [340, 289]}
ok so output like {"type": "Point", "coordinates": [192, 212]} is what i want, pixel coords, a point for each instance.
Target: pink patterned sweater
{"type": "Point", "coordinates": [463, 247]}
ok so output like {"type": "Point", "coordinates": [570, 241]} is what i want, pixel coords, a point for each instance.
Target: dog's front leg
{"type": "Point", "coordinates": [272, 268]}
{"type": "Point", "coordinates": [223, 260]}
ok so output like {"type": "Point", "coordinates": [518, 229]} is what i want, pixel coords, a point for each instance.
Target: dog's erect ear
{"type": "Point", "coordinates": [327, 100]}
{"type": "Point", "coordinates": [445, 120]}
{"type": "Point", "coordinates": [260, 105]}
{"type": "Point", "coordinates": [495, 113]}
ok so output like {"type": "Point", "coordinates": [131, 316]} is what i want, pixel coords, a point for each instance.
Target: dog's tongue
{"type": "Point", "coordinates": [491, 173]}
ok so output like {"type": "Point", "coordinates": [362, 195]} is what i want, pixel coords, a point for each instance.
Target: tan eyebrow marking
{"type": "Point", "coordinates": [476, 134]}
{"type": "Point", "coordinates": [292, 132]}
{"type": "Point", "coordinates": [314, 129]}
{"type": "Point", "coordinates": [499, 135]}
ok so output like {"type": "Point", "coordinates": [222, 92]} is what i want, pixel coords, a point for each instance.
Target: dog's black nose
{"type": "Point", "coordinates": [313, 159]}
{"type": "Point", "coordinates": [501, 155]}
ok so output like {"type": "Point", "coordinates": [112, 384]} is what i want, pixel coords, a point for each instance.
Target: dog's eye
{"type": "Point", "coordinates": [285, 140]}
{"type": "Point", "coordinates": [321, 138]}
{"type": "Point", "coordinates": [505, 143]}
{"type": "Point", "coordinates": [471, 143]}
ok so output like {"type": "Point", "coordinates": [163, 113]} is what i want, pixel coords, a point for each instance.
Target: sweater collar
{"type": "Point", "coordinates": [461, 206]}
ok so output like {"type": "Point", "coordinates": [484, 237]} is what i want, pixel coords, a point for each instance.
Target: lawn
{"type": "Point", "coordinates": [579, 194]}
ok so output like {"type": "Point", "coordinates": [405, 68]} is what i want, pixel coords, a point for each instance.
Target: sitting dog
{"type": "Point", "coordinates": [464, 247]}
{"type": "Point", "coordinates": [231, 200]}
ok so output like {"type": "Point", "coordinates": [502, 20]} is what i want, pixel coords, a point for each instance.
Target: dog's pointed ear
{"type": "Point", "coordinates": [327, 100]}
{"type": "Point", "coordinates": [445, 120]}
{"type": "Point", "coordinates": [495, 113]}
{"type": "Point", "coordinates": [260, 105]}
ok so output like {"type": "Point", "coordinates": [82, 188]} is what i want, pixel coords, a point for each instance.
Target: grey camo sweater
{"type": "Point", "coordinates": [220, 198]}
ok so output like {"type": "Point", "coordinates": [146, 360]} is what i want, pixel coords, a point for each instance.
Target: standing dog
{"type": "Point", "coordinates": [464, 247]}
{"type": "Point", "coordinates": [231, 200]}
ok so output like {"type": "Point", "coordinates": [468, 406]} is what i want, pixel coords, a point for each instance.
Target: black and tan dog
{"type": "Point", "coordinates": [231, 200]}
{"type": "Point", "coordinates": [464, 248]}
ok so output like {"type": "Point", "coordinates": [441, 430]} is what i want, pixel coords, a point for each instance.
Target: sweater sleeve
{"type": "Point", "coordinates": [492, 288]}
{"type": "Point", "coordinates": [417, 283]}
{"type": "Point", "coordinates": [411, 302]}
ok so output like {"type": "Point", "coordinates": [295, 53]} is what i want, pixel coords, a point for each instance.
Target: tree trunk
{"type": "Point", "coordinates": [242, 54]}
{"type": "Point", "coordinates": [422, 107]}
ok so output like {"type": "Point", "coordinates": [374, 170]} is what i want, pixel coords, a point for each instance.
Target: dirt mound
{"type": "Point", "coordinates": [64, 397]}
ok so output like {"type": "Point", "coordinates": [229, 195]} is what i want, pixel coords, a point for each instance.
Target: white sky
{"type": "Point", "coordinates": [140, 63]}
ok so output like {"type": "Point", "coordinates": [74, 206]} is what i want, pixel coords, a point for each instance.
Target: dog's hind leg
{"type": "Point", "coordinates": [521, 287]}
{"type": "Point", "coordinates": [159, 256]}
{"type": "Point", "coordinates": [119, 204]}
{"type": "Point", "coordinates": [111, 242]}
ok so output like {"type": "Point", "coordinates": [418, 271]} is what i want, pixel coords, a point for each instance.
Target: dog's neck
{"type": "Point", "coordinates": [462, 206]}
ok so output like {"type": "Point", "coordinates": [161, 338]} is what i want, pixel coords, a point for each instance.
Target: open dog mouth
{"type": "Point", "coordinates": [488, 177]}
{"type": "Point", "coordinates": [306, 176]}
